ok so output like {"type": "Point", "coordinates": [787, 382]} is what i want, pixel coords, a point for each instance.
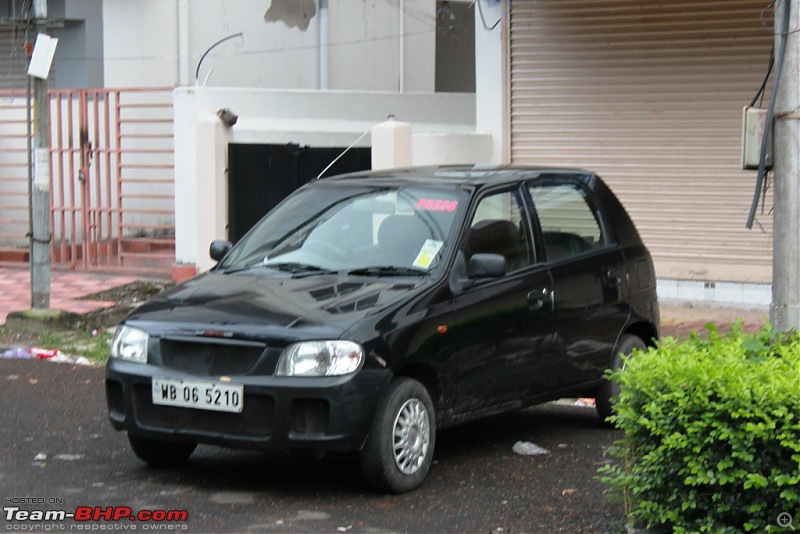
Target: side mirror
{"type": "Point", "coordinates": [487, 266]}
{"type": "Point", "coordinates": [218, 249]}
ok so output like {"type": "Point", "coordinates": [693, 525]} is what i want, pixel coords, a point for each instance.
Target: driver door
{"type": "Point", "coordinates": [505, 324]}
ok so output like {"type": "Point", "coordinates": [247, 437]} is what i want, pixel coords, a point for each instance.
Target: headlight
{"type": "Point", "coordinates": [320, 358]}
{"type": "Point", "coordinates": [129, 344]}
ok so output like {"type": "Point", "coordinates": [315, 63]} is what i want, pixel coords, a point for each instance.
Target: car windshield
{"type": "Point", "coordinates": [366, 230]}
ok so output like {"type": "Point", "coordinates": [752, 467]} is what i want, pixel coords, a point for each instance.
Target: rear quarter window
{"type": "Point", "coordinates": [569, 223]}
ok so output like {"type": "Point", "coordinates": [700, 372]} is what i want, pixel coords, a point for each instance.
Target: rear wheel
{"type": "Point", "coordinates": [398, 452]}
{"type": "Point", "coordinates": [162, 453]}
{"type": "Point", "coordinates": [610, 388]}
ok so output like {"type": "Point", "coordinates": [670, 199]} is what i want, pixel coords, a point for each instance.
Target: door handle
{"type": "Point", "coordinates": [613, 277]}
{"type": "Point", "coordinates": [537, 297]}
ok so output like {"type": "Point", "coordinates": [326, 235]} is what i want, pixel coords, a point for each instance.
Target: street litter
{"type": "Point", "coordinates": [40, 460]}
{"type": "Point", "coordinates": [50, 355]}
{"type": "Point", "coordinates": [17, 353]}
{"type": "Point", "coordinates": [525, 448]}
{"type": "Point", "coordinates": [583, 402]}
{"type": "Point", "coordinates": [69, 457]}
{"type": "Point", "coordinates": [45, 354]}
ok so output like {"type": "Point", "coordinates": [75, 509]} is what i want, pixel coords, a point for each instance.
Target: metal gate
{"type": "Point", "coordinates": [112, 178]}
{"type": "Point", "coordinates": [260, 176]}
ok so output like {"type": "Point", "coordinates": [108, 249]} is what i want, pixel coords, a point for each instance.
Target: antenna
{"type": "Point", "coordinates": [343, 153]}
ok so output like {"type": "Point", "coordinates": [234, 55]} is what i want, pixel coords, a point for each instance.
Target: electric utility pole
{"type": "Point", "coordinates": [785, 310]}
{"type": "Point", "coordinates": [40, 192]}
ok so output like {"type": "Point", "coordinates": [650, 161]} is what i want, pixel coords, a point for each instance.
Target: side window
{"type": "Point", "coordinates": [499, 227]}
{"type": "Point", "coordinates": [569, 225]}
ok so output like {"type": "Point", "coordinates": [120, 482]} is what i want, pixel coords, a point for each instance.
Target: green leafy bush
{"type": "Point", "coordinates": [712, 432]}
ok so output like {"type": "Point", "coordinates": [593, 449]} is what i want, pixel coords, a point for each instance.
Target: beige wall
{"type": "Point", "coordinates": [329, 119]}
{"type": "Point", "coordinates": [159, 42]}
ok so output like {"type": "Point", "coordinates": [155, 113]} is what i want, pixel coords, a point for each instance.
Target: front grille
{"type": "Point", "coordinates": [204, 358]}
{"type": "Point", "coordinates": [255, 421]}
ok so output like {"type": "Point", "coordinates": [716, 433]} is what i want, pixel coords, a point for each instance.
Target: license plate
{"type": "Point", "coordinates": [197, 394]}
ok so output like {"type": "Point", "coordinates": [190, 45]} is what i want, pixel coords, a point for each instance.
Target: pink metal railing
{"type": "Point", "coordinates": [112, 169]}
{"type": "Point", "coordinates": [13, 169]}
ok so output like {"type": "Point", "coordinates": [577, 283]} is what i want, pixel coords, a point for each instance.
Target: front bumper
{"type": "Point", "coordinates": [279, 413]}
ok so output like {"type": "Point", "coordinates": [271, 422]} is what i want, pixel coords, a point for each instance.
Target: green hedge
{"type": "Point", "coordinates": [712, 433]}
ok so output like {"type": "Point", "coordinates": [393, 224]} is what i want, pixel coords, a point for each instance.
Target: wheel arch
{"type": "Point", "coordinates": [645, 331]}
{"type": "Point", "coordinates": [428, 377]}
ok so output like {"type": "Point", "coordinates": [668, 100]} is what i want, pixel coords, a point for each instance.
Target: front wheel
{"type": "Point", "coordinates": [398, 452]}
{"type": "Point", "coordinates": [162, 453]}
{"type": "Point", "coordinates": [610, 389]}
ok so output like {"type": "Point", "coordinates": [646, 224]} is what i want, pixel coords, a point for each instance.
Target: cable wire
{"type": "Point", "coordinates": [483, 19]}
{"type": "Point", "coordinates": [760, 91]}
{"type": "Point", "coordinates": [767, 139]}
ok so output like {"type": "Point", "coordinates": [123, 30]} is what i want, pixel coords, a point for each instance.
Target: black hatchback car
{"type": "Point", "coordinates": [367, 311]}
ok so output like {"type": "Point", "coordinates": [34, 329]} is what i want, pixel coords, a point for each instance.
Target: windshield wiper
{"type": "Point", "coordinates": [387, 270]}
{"type": "Point", "coordinates": [298, 269]}
{"type": "Point", "coordinates": [230, 270]}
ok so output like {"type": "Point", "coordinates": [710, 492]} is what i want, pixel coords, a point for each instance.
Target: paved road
{"type": "Point", "coordinates": [477, 483]}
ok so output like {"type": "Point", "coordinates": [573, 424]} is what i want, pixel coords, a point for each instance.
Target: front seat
{"type": "Point", "coordinates": [497, 236]}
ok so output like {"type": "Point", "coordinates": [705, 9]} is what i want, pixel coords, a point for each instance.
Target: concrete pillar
{"type": "Point", "coordinates": [391, 145]}
{"type": "Point", "coordinates": [490, 82]}
{"type": "Point", "coordinates": [201, 189]}
{"type": "Point", "coordinates": [785, 310]}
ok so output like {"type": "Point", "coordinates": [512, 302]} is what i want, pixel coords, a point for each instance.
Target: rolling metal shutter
{"type": "Point", "coordinates": [13, 61]}
{"type": "Point", "coordinates": [649, 94]}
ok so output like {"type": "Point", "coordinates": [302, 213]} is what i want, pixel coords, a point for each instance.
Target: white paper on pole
{"type": "Point", "coordinates": [42, 58]}
{"type": "Point", "coordinates": [41, 168]}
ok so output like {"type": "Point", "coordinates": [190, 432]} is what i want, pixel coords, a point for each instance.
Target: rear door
{"type": "Point", "coordinates": [505, 325]}
{"type": "Point", "coordinates": [590, 278]}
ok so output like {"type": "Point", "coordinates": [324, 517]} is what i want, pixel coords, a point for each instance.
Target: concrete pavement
{"type": "Point", "coordinates": [67, 289]}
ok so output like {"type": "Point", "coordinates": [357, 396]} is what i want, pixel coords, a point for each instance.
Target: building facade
{"type": "Point", "coordinates": [649, 94]}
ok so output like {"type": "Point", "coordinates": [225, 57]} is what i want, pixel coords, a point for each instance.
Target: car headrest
{"type": "Point", "coordinates": [494, 237]}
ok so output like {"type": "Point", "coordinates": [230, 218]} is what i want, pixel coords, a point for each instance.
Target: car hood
{"type": "Point", "coordinates": [266, 304]}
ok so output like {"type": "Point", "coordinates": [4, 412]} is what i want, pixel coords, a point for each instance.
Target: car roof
{"type": "Point", "coordinates": [453, 175]}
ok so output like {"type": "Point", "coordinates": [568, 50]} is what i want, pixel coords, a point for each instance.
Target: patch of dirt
{"type": "Point", "coordinates": [133, 293]}
{"type": "Point", "coordinates": [681, 321]}
{"type": "Point", "coordinates": [127, 298]}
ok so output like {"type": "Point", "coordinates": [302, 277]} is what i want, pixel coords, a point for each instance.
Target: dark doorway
{"type": "Point", "coordinates": [260, 176]}
{"type": "Point", "coordinates": [455, 47]}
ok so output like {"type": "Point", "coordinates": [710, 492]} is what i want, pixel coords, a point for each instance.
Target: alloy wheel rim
{"type": "Point", "coordinates": [412, 436]}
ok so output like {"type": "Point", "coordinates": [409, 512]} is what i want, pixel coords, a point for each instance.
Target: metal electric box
{"type": "Point", "coordinates": [754, 124]}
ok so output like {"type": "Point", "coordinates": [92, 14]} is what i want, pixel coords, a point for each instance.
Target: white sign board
{"type": "Point", "coordinates": [42, 58]}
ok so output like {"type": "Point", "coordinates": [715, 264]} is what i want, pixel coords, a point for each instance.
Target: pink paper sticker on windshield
{"type": "Point", "coordinates": [436, 204]}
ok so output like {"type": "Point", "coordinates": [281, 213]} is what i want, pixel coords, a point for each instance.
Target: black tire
{"type": "Point", "coordinates": [162, 453]}
{"type": "Point", "coordinates": [398, 452]}
{"type": "Point", "coordinates": [610, 389]}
